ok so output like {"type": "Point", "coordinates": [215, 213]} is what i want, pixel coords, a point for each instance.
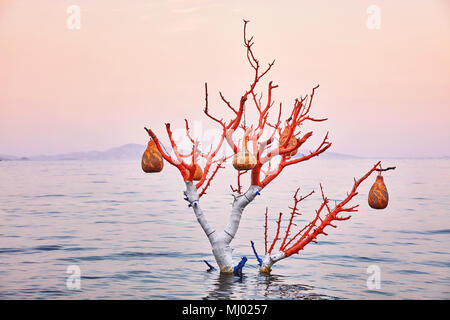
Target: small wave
{"type": "Point", "coordinates": [328, 243]}
{"type": "Point", "coordinates": [106, 221]}
{"type": "Point", "coordinates": [404, 243]}
{"type": "Point", "coordinates": [78, 249]}
{"type": "Point", "coordinates": [340, 275]}
{"type": "Point", "coordinates": [48, 247]}
{"type": "Point", "coordinates": [383, 293]}
{"type": "Point", "coordinates": [121, 276]}
{"type": "Point", "coordinates": [338, 264]}
{"type": "Point", "coordinates": [357, 258]}
{"type": "Point", "coordinates": [132, 254]}
{"type": "Point", "coordinates": [55, 237]}
{"type": "Point", "coordinates": [49, 195]}
{"type": "Point", "coordinates": [10, 250]}
{"type": "Point", "coordinates": [136, 272]}
{"type": "Point", "coordinates": [410, 272]}
{"type": "Point", "coordinates": [438, 231]}
{"type": "Point", "coordinates": [53, 292]}
{"type": "Point", "coordinates": [441, 264]}
{"type": "Point", "coordinates": [52, 212]}
{"type": "Point", "coordinates": [126, 192]}
{"type": "Point", "coordinates": [442, 231]}
{"type": "Point", "coordinates": [27, 250]}
{"type": "Point", "coordinates": [155, 254]}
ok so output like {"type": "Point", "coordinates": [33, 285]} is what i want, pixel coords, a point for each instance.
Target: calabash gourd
{"type": "Point", "coordinates": [152, 160]}
{"type": "Point", "coordinates": [292, 141]}
{"type": "Point", "coordinates": [378, 194]}
{"type": "Point", "coordinates": [244, 160]}
{"type": "Point", "coordinates": [198, 173]}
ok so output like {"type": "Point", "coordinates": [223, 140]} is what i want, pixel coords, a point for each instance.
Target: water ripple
{"type": "Point", "coordinates": [134, 237]}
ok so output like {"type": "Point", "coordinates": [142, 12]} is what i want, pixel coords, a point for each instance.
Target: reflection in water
{"type": "Point", "coordinates": [275, 286]}
{"type": "Point", "coordinates": [268, 286]}
{"type": "Point", "coordinates": [223, 286]}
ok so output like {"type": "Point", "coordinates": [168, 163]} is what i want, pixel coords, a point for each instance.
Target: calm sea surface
{"type": "Point", "coordinates": [133, 236]}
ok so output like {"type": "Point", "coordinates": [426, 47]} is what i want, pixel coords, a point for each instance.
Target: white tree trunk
{"type": "Point", "coordinates": [220, 241]}
{"type": "Point", "coordinates": [269, 260]}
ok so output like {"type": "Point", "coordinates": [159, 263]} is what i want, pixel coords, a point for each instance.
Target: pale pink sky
{"type": "Point", "coordinates": [141, 63]}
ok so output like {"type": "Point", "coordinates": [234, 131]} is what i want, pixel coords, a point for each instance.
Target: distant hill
{"type": "Point", "coordinates": [4, 157]}
{"type": "Point", "coordinates": [129, 152]}
{"type": "Point", "coordinates": [133, 151]}
{"type": "Point", "coordinates": [327, 155]}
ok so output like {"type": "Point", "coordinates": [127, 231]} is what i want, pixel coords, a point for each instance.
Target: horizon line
{"type": "Point", "coordinates": [27, 157]}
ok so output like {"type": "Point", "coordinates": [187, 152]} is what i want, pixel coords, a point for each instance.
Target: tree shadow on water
{"type": "Point", "coordinates": [228, 287]}
{"type": "Point", "coordinates": [277, 287]}
{"type": "Point", "coordinates": [225, 287]}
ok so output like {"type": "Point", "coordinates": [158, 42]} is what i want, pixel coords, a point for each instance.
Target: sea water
{"type": "Point", "coordinates": [132, 236]}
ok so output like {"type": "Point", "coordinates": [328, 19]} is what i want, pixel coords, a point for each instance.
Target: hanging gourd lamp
{"type": "Point", "coordinates": [152, 160]}
{"type": "Point", "coordinates": [378, 194]}
{"type": "Point", "coordinates": [292, 141]}
{"type": "Point", "coordinates": [198, 173]}
{"type": "Point", "coordinates": [244, 160]}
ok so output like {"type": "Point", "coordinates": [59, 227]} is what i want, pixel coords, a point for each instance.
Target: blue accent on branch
{"type": "Point", "coordinates": [209, 265]}
{"type": "Point", "coordinates": [237, 271]}
{"type": "Point", "coordinates": [256, 254]}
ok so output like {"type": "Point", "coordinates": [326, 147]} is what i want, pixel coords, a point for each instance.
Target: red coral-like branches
{"type": "Point", "coordinates": [269, 141]}
{"type": "Point", "coordinates": [309, 233]}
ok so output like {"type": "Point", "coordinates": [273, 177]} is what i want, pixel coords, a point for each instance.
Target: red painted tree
{"type": "Point", "coordinates": [271, 152]}
{"type": "Point", "coordinates": [324, 216]}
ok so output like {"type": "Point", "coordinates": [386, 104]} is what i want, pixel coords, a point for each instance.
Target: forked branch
{"type": "Point", "coordinates": [293, 244]}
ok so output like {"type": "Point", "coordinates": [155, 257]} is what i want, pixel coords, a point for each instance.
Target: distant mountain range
{"type": "Point", "coordinates": [126, 152]}
{"type": "Point", "coordinates": [8, 157]}
{"type": "Point", "coordinates": [134, 151]}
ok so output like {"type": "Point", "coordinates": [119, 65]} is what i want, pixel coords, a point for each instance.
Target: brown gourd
{"type": "Point", "coordinates": [378, 194]}
{"type": "Point", "coordinates": [152, 160]}
{"type": "Point", "coordinates": [198, 173]}
{"type": "Point", "coordinates": [292, 141]}
{"type": "Point", "coordinates": [244, 160]}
